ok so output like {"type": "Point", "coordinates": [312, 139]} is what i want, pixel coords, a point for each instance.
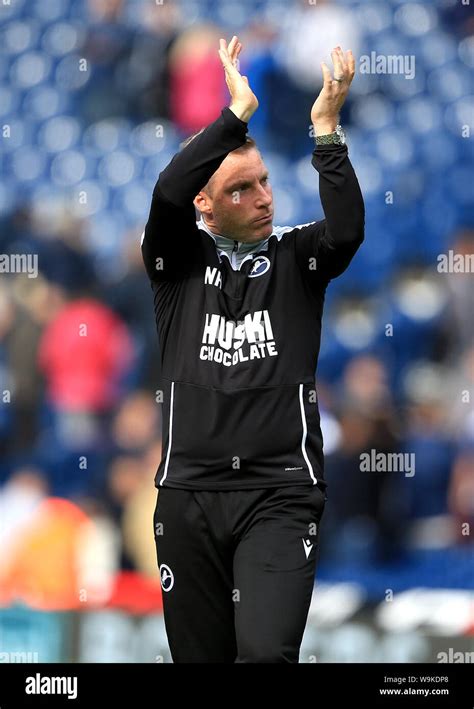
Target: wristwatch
{"type": "Point", "coordinates": [336, 138]}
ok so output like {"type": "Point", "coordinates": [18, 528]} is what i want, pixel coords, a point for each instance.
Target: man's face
{"type": "Point", "coordinates": [240, 203]}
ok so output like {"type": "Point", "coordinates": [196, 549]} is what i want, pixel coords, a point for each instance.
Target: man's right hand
{"type": "Point", "coordinates": [244, 103]}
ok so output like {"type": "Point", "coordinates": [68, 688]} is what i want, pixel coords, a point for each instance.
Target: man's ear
{"type": "Point", "coordinates": [202, 203]}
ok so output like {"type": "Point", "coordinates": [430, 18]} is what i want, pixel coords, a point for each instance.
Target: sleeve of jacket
{"type": "Point", "coordinates": [170, 242]}
{"type": "Point", "coordinates": [324, 249]}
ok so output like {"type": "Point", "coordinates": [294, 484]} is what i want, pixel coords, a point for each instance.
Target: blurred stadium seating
{"type": "Point", "coordinates": [88, 121]}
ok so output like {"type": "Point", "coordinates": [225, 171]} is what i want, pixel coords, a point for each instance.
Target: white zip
{"type": "Point", "coordinates": [235, 249]}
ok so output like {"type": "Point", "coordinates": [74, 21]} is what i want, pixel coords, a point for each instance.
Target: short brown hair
{"type": "Point", "coordinates": [249, 141]}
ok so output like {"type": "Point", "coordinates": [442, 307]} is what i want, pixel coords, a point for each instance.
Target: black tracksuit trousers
{"type": "Point", "coordinates": [237, 571]}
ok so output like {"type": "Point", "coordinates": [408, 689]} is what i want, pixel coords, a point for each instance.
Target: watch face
{"type": "Point", "coordinates": [341, 135]}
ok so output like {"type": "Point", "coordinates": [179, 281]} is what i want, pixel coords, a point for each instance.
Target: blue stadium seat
{"type": "Point", "coordinates": [45, 101]}
{"type": "Point", "coordinates": [152, 137]}
{"type": "Point", "coordinates": [30, 69]}
{"type": "Point", "coordinates": [10, 196]}
{"type": "Point", "coordinates": [66, 75]}
{"type": "Point", "coordinates": [20, 133]}
{"type": "Point", "coordinates": [91, 196]}
{"type": "Point", "coordinates": [436, 48]}
{"type": "Point", "coordinates": [449, 82]}
{"type": "Point", "coordinates": [152, 166]}
{"type": "Point", "coordinates": [61, 38]}
{"type": "Point", "coordinates": [118, 168]}
{"type": "Point", "coordinates": [10, 102]}
{"type": "Point", "coordinates": [133, 200]}
{"type": "Point", "coordinates": [48, 11]}
{"type": "Point", "coordinates": [13, 11]}
{"type": "Point", "coordinates": [59, 133]}
{"type": "Point", "coordinates": [19, 36]}
{"type": "Point", "coordinates": [68, 168]}
{"type": "Point", "coordinates": [27, 164]}
{"type": "Point", "coordinates": [106, 136]}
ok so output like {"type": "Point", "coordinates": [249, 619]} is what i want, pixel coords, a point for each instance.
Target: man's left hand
{"type": "Point", "coordinates": [325, 111]}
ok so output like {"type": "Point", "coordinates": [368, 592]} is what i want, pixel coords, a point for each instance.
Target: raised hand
{"type": "Point", "coordinates": [243, 103]}
{"type": "Point", "coordinates": [325, 111]}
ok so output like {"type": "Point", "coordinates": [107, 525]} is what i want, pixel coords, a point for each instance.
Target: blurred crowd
{"type": "Point", "coordinates": [79, 359]}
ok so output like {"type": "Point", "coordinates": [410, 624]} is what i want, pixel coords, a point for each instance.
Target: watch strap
{"type": "Point", "coordinates": [335, 138]}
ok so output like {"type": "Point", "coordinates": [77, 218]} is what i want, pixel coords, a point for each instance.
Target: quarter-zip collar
{"type": "Point", "coordinates": [236, 251]}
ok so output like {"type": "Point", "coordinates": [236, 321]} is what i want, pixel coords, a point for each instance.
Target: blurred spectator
{"type": "Point", "coordinates": [366, 386]}
{"type": "Point", "coordinates": [457, 16]}
{"type": "Point", "coordinates": [7, 315]}
{"type": "Point", "coordinates": [138, 538]}
{"type": "Point", "coordinates": [460, 286]}
{"type": "Point", "coordinates": [308, 34]}
{"type": "Point", "coordinates": [148, 68]}
{"type": "Point", "coordinates": [84, 353]}
{"type": "Point", "coordinates": [198, 89]}
{"type": "Point", "coordinates": [36, 303]}
{"type": "Point", "coordinates": [48, 230]}
{"type": "Point", "coordinates": [106, 11]}
{"type": "Point", "coordinates": [136, 423]}
{"type": "Point", "coordinates": [45, 566]}
{"type": "Point", "coordinates": [428, 440]}
{"type": "Point", "coordinates": [130, 299]}
{"type": "Point", "coordinates": [107, 49]}
{"type": "Point", "coordinates": [460, 381]}
{"type": "Point", "coordinates": [125, 477]}
{"type": "Point", "coordinates": [258, 64]}
{"type": "Point", "coordinates": [20, 498]}
{"type": "Point", "coordinates": [461, 497]}
{"type": "Point", "coordinates": [365, 514]}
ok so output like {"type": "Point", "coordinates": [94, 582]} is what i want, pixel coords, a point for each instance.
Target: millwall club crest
{"type": "Point", "coordinates": [260, 266]}
{"type": "Point", "coordinates": [167, 578]}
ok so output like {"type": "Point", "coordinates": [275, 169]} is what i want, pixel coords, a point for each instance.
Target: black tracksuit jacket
{"type": "Point", "coordinates": [239, 328]}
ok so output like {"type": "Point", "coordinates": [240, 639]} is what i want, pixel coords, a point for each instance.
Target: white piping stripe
{"type": "Point", "coordinates": [280, 231]}
{"type": "Point", "coordinates": [170, 434]}
{"type": "Point", "coordinates": [224, 253]}
{"type": "Point", "coordinates": [303, 440]}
